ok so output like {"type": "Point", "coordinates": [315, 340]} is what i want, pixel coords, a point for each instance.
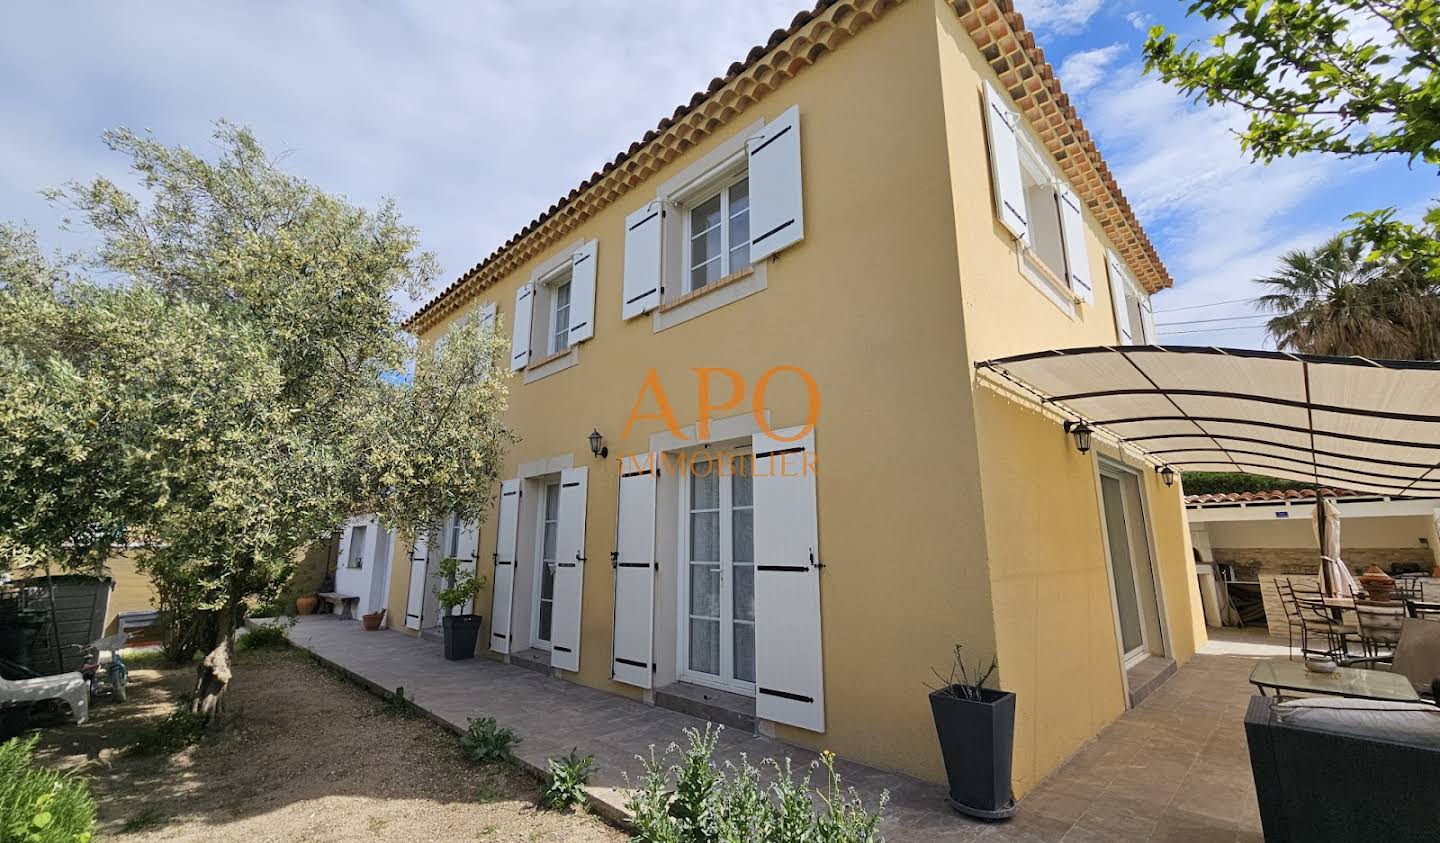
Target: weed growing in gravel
{"type": "Point", "coordinates": [269, 637]}
{"type": "Point", "coordinates": [486, 740]}
{"type": "Point", "coordinates": [398, 705]}
{"type": "Point", "coordinates": [179, 729]}
{"type": "Point", "coordinates": [567, 780]}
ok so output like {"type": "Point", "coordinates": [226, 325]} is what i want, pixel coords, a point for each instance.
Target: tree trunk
{"type": "Point", "coordinates": [213, 674]}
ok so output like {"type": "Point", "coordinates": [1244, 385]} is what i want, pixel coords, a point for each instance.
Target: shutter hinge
{"type": "Point", "coordinates": [615, 559]}
{"type": "Point", "coordinates": [813, 563]}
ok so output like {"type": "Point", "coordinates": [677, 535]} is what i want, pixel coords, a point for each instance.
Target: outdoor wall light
{"type": "Point", "coordinates": [597, 445]}
{"type": "Point", "coordinates": [1081, 431]}
{"type": "Point", "coordinates": [1167, 474]}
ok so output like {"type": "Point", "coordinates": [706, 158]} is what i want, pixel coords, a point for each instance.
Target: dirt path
{"type": "Point", "coordinates": [307, 757]}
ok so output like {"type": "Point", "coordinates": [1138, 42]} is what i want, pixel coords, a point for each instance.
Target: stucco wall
{"type": "Point", "coordinates": [132, 593]}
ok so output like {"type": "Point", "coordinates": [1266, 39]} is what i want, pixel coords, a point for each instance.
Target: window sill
{"type": "Point", "coordinates": [696, 303]}
{"type": "Point", "coordinates": [1044, 279]}
{"type": "Point", "coordinates": [552, 364]}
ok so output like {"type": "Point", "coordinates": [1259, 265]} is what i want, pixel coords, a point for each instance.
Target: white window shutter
{"type": "Point", "coordinates": [520, 339]}
{"type": "Point", "coordinates": [569, 571]}
{"type": "Point", "coordinates": [507, 523]}
{"type": "Point", "coordinates": [415, 601]}
{"type": "Point", "coordinates": [1002, 126]}
{"type": "Point", "coordinates": [634, 627]}
{"type": "Point", "coordinates": [1077, 254]}
{"type": "Point", "coordinates": [487, 317]}
{"type": "Point", "coordinates": [777, 209]}
{"type": "Point", "coordinates": [1147, 320]}
{"type": "Point", "coordinates": [789, 670]}
{"type": "Point", "coordinates": [582, 293]}
{"type": "Point", "coordinates": [641, 293]}
{"type": "Point", "coordinates": [1118, 293]}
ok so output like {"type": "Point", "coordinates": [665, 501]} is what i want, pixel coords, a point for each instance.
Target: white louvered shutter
{"type": "Point", "coordinates": [464, 551]}
{"type": "Point", "coordinates": [634, 624]}
{"type": "Point", "coordinates": [582, 293]}
{"type": "Point", "coordinates": [507, 522]}
{"type": "Point", "coordinates": [1118, 293]}
{"type": "Point", "coordinates": [777, 209]}
{"type": "Point", "coordinates": [1147, 320]}
{"type": "Point", "coordinates": [520, 338]}
{"type": "Point", "coordinates": [415, 601]}
{"type": "Point", "coordinates": [1077, 254]}
{"type": "Point", "coordinates": [641, 285]}
{"type": "Point", "coordinates": [789, 669]}
{"type": "Point", "coordinates": [1002, 126]}
{"type": "Point", "coordinates": [487, 317]}
{"type": "Point", "coordinates": [569, 571]}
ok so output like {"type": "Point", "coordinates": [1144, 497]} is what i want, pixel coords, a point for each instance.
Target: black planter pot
{"type": "Point", "coordinates": [461, 633]}
{"type": "Point", "coordinates": [977, 740]}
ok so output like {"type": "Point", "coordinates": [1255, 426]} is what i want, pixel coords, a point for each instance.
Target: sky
{"type": "Point", "coordinates": [477, 116]}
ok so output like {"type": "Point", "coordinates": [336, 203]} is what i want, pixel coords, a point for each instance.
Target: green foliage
{"type": "Point", "coordinates": [179, 729]}
{"type": "Point", "coordinates": [233, 385]}
{"type": "Point", "coordinates": [1219, 482]}
{"type": "Point", "coordinates": [399, 705]}
{"type": "Point", "coordinates": [568, 776]}
{"type": "Point", "coordinates": [1343, 77]}
{"type": "Point", "coordinates": [693, 801]}
{"type": "Point", "coordinates": [1333, 300]}
{"type": "Point", "coordinates": [267, 637]}
{"type": "Point", "coordinates": [456, 584]}
{"type": "Point", "coordinates": [487, 741]}
{"type": "Point", "coordinates": [39, 805]}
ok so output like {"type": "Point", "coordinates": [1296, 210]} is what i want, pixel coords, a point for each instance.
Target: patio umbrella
{"type": "Point", "coordinates": [1335, 579]}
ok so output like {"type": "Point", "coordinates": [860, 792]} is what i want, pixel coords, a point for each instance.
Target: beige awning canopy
{"type": "Point", "coordinates": [1367, 425]}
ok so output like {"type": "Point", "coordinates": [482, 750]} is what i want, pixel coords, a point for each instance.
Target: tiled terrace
{"type": "Point", "coordinates": [1174, 768]}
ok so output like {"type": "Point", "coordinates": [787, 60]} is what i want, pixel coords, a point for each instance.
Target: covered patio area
{"type": "Point", "coordinates": [1173, 768]}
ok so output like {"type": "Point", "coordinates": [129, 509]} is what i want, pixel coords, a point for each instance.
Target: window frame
{"type": "Point", "coordinates": [720, 185]}
{"type": "Point", "coordinates": [559, 335]}
{"type": "Point", "coordinates": [547, 287]}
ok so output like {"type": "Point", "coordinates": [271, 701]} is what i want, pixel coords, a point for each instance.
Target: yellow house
{"type": "Point", "coordinates": [769, 309]}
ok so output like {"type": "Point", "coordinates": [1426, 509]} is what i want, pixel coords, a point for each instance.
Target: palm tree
{"type": "Point", "coordinates": [1335, 300]}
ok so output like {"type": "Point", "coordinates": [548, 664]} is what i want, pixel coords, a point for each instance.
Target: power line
{"type": "Point", "coordinates": [1198, 306]}
{"type": "Point", "coordinates": [1213, 330]}
{"type": "Point", "coordinates": [1217, 319]}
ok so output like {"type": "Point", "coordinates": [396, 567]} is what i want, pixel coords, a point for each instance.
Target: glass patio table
{"type": "Point", "coordinates": [1351, 682]}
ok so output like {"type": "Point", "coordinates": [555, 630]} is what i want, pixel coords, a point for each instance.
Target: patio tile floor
{"type": "Point", "coordinates": [1175, 768]}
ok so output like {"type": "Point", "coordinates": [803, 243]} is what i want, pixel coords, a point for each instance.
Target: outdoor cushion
{"type": "Point", "coordinates": [1394, 722]}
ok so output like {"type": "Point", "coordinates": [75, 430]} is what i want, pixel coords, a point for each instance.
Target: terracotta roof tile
{"type": "Point", "coordinates": [1271, 495]}
{"type": "Point", "coordinates": [997, 29]}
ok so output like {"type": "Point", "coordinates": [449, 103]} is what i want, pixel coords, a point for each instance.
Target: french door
{"type": "Point", "coordinates": [718, 587]}
{"type": "Point", "coordinates": [547, 542]}
{"type": "Point", "coordinates": [1137, 607]}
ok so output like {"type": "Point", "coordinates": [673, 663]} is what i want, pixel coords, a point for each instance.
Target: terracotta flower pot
{"type": "Point", "coordinates": [372, 620]}
{"type": "Point", "coordinates": [305, 604]}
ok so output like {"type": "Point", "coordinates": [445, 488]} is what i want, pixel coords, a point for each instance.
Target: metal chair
{"type": "Point", "coordinates": [1409, 587]}
{"type": "Point", "coordinates": [1293, 624]}
{"type": "Point", "coordinates": [1318, 623]}
{"type": "Point", "coordinates": [1423, 609]}
{"type": "Point", "coordinates": [1379, 626]}
{"type": "Point", "coordinates": [1416, 656]}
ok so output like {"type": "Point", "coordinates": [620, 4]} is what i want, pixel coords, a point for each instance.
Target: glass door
{"type": "Point", "coordinates": [545, 571]}
{"type": "Point", "coordinates": [1136, 600]}
{"type": "Point", "coordinates": [718, 628]}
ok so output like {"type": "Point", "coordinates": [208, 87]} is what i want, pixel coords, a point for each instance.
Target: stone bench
{"type": "Point", "coordinates": [341, 605]}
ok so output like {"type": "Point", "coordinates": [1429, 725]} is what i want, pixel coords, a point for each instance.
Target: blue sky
{"type": "Point", "coordinates": [477, 116]}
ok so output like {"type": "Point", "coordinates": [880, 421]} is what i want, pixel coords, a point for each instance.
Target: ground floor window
{"type": "Point", "coordinates": [718, 544]}
{"type": "Point", "coordinates": [1137, 606]}
{"type": "Point", "coordinates": [545, 572]}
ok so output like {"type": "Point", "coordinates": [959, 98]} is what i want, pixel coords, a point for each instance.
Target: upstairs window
{"type": "Point", "coordinates": [560, 316]}
{"type": "Point", "coordinates": [718, 234]}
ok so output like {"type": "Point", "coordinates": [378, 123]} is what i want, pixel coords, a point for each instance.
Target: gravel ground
{"type": "Point", "coordinates": [305, 756]}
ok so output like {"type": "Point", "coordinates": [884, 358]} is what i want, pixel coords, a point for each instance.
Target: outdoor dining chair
{"type": "Point", "coordinates": [1378, 623]}
{"type": "Point", "coordinates": [1416, 656]}
{"type": "Point", "coordinates": [1293, 625]}
{"type": "Point", "coordinates": [1423, 609]}
{"type": "Point", "coordinates": [1318, 625]}
{"type": "Point", "coordinates": [1410, 587]}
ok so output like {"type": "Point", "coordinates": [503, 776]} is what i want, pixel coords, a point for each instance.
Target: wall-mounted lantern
{"type": "Point", "coordinates": [597, 445]}
{"type": "Point", "coordinates": [1081, 431]}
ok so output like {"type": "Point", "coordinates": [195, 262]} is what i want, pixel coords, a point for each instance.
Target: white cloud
{"type": "Point", "coordinates": [1140, 20]}
{"type": "Point", "coordinates": [1083, 70]}
{"type": "Point", "coordinates": [1062, 17]}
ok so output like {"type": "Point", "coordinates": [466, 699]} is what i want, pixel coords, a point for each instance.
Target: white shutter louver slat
{"type": "Point", "coordinates": [1147, 321]}
{"type": "Point", "coordinates": [1118, 302]}
{"type": "Point", "coordinates": [415, 600]}
{"type": "Point", "coordinates": [632, 646]}
{"type": "Point", "coordinates": [569, 571]}
{"type": "Point", "coordinates": [507, 523]}
{"type": "Point", "coordinates": [777, 208]}
{"type": "Point", "coordinates": [789, 668]}
{"type": "Point", "coordinates": [641, 285]}
{"type": "Point", "coordinates": [1001, 125]}
{"type": "Point", "coordinates": [582, 293]}
{"type": "Point", "coordinates": [1077, 254]}
{"type": "Point", "coordinates": [520, 338]}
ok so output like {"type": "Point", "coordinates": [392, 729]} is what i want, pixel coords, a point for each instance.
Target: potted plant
{"type": "Point", "coordinates": [458, 586]}
{"type": "Point", "coordinates": [372, 620]}
{"type": "Point", "coordinates": [305, 604]}
{"type": "Point", "coordinates": [976, 728]}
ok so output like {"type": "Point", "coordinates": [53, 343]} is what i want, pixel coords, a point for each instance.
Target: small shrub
{"type": "Point", "coordinates": [268, 637]}
{"type": "Point", "coordinates": [179, 729]}
{"type": "Point", "coordinates": [39, 805]}
{"type": "Point", "coordinates": [692, 800]}
{"type": "Point", "coordinates": [398, 705]}
{"type": "Point", "coordinates": [486, 741]}
{"type": "Point", "coordinates": [268, 609]}
{"type": "Point", "coordinates": [568, 776]}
